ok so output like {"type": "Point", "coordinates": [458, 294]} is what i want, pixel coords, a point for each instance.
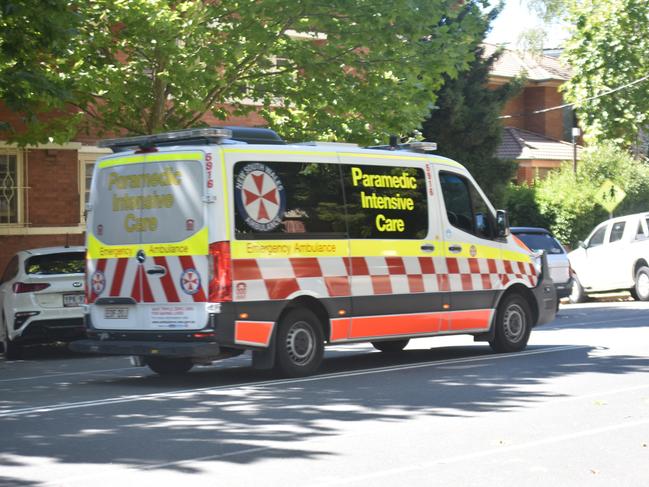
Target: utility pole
{"type": "Point", "coordinates": [575, 133]}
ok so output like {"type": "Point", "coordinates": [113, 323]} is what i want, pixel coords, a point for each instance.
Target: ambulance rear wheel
{"type": "Point", "coordinates": [299, 344]}
{"type": "Point", "coordinates": [169, 366]}
{"type": "Point", "coordinates": [513, 325]}
{"type": "Point", "coordinates": [391, 346]}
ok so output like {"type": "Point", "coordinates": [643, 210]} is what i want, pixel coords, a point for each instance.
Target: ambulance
{"type": "Point", "coordinates": [203, 244]}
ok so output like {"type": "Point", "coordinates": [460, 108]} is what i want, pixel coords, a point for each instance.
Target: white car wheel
{"type": "Point", "coordinates": [640, 290]}
{"type": "Point", "coordinates": [577, 294]}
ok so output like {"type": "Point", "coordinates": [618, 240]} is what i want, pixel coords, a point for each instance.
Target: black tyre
{"type": "Point", "coordinates": [513, 325]}
{"type": "Point", "coordinates": [577, 293]}
{"type": "Point", "coordinates": [299, 343]}
{"type": "Point", "coordinates": [391, 346]}
{"type": "Point", "coordinates": [11, 349]}
{"type": "Point", "coordinates": [169, 366]}
{"type": "Point", "coordinates": [640, 290]}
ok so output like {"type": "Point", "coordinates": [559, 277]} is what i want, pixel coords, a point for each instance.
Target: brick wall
{"type": "Point", "coordinates": [53, 196]}
{"type": "Point", "coordinates": [536, 98]}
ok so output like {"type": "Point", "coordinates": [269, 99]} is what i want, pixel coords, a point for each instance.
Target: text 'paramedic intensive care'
{"type": "Point", "coordinates": [376, 202]}
{"type": "Point", "coordinates": [125, 202]}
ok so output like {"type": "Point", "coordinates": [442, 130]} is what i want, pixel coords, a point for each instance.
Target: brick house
{"type": "Point", "coordinates": [538, 140]}
{"type": "Point", "coordinates": [43, 190]}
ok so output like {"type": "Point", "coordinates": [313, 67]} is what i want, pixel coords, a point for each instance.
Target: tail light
{"type": "Point", "coordinates": [24, 287]}
{"type": "Point", "coordinates": [220, 266]}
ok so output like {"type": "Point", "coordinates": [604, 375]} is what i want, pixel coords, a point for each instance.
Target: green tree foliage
{"type": "Point", "coordinates": [569, 200]}
{"type": "Point", "coordinates": [466, 127]}
{"type": "Point", "coordinates": [344, 69]}
{"type": "Point", "coordinates": [608, 48]}
{"type": "Point", "coordinates": [520, 202]}
{"type": "Point", "coordinates": [34, 38]}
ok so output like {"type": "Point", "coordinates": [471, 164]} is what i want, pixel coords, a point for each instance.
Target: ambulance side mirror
{"type": "Point", "coordinates": [502, 223]}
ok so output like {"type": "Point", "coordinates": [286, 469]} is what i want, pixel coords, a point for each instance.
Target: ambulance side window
{"type": "Point", "coordinates": [288, 200]}
{"type": "Point", "coordinates": [465, 207]}
{"type": "Point", "coordinates": [385, 201]}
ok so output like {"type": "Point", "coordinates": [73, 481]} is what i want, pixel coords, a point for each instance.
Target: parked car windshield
{"type": "Point", "coordinates": [63, 263]}
{"type": "Point", "coordinates": [541, 241]}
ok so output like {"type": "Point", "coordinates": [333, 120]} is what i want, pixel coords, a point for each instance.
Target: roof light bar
{"type": "Point", "coordinates": [421, 146]}
{"type": "Point", "coordinates": [151, 140]}
{"type": "Point", "coordinates": [411, 147]}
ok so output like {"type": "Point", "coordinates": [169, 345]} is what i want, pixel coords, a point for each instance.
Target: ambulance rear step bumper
{"type": "Point", "coordinates": [148, 348]}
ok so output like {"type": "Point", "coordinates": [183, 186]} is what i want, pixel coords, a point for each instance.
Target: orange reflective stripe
{"type": "Point", "coordinates": [253, 332]}
{"type": "Point", "coordinates": [339, 328]}
{"type": "Point", "coordinates": [378, 326]}
{"type": "Point", "coordinates": [410, 324]}
{"type": "Point", "coordinates": [471, 320]}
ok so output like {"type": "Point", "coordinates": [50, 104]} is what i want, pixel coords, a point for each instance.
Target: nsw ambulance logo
{"type": "Point", "coordinates": [190, 281]}
{"type": "Point", "coordinates": [98, 282]}
{"type": "Point", "coordinates": [260, 197]}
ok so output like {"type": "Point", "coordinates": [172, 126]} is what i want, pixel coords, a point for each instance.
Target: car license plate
{"type": "Point", "coordinates": [116, 313]}
{"type": "Point", "coordinates": [70, 300]}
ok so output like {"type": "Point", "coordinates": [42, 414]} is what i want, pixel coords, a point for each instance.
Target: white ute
{"type": "Point", "coordinates": [614, 257]}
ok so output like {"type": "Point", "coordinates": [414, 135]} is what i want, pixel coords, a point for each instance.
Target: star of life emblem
{"type": "Point", "coordinates": [190, 281]}
{"type": "Point", "coordinates": [98, 282]}
{"type": "Point", "coordinates": [260, 197]}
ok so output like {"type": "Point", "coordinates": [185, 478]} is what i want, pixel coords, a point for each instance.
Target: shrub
{"type": "Point", "coordinates": [569, 201]}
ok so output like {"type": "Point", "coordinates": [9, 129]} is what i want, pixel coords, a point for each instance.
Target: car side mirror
{"type": "Point", "coordinates": [502, 223]}
{"type": "Point", "coordinates": [582, 245]}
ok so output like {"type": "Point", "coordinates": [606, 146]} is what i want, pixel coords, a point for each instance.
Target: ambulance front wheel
{"type": "Point", "coordinates": [391, 346]}
{"type": "Point", "coordinates": [169, 366]}
{"type": "Point", "coordinates": [299, 343]}
{"type": "Point", "coordinates": [513, 325]}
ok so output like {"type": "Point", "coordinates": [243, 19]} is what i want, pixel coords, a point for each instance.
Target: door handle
{"type": "Point", "coordinates": [455, 248]}
{"type": "Point", "coordinates": [157, 270]}
{"type": "Point", "coordinates": [428, 248]}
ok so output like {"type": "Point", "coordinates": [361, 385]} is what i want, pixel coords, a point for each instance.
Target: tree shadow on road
{"type": "Point", "coordinates": [238, 416]}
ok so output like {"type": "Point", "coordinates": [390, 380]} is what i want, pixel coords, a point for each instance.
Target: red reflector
{"type": "Point", "coordinates": [221, 280]}
{"type": "Point", "coordinates": [23, 287]}
{"type": "Point", "coordinates": [204, 335]}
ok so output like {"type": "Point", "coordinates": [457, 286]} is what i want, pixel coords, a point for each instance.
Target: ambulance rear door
{"type": "Point", "coordinates": [147, 241]}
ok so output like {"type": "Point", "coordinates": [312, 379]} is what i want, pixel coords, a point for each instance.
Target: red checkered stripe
{"type": "Point", "coordinates": [283, 278]}
{"type": "Point", "coordinates": [125, 277]}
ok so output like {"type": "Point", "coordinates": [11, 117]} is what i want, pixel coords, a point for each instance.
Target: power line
{"type": "Point", "coordinates": [558, 107]}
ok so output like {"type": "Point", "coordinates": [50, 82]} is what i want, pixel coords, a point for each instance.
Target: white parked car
{"type": "Point", "coordinates": [541, 239]}
{"type": "Point", "coordinates": [41, 292]}
{"type": "Point", "coordinates": [614, 257]}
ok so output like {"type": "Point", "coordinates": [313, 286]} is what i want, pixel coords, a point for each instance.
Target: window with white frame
{"type": "Point", "coordinates": [86, 166]}
{"type": "Point", "coordinates": [10, 187]}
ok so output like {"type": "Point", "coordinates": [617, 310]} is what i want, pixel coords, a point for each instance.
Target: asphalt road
{"type": "Point", "coordinates": [571, 410]}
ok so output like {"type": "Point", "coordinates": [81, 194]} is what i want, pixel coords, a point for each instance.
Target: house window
{"type": "Point", "coordinates": [86, 166]}
{"type": "Point", "coordinates": [10, 188]}
{"type": "Point", "coordinates": [569, 121]}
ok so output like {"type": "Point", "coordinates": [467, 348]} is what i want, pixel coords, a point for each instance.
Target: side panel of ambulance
{"type": "Point", "coordinates": [289, 248]}
{"type": "Point", "coordinates": [148, 242]}
{"type": "Point", "coordinates": [395, 268]}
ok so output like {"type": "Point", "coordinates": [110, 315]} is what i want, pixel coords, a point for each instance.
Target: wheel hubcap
{"type": "Point", "coordinates": [574, 292]}
{"type": "Point", "coordinates": [514, 324]}
{"type": "Point", "coordinates": [643, 284]}
{"type": "Point", "coordinates": [300, 343]}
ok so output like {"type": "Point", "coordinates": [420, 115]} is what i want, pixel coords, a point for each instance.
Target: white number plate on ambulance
{"type": "Point", "coordinates": [116, 313]}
